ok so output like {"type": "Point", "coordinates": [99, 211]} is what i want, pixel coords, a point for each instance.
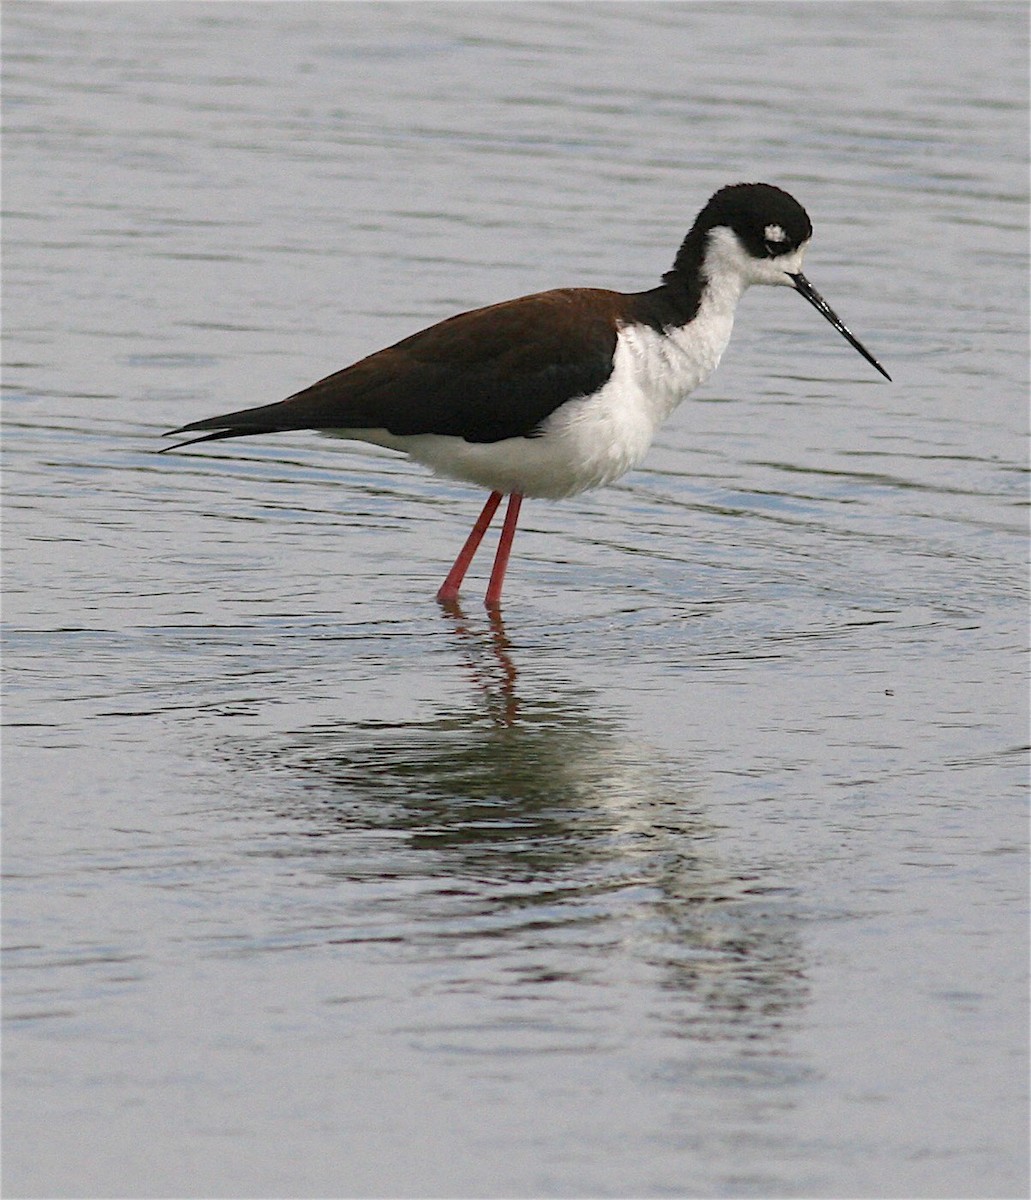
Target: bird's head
{"type": "Point", "coordinates": [757, 233]}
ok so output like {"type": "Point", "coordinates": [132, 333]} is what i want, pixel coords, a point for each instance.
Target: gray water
{"type": "Point", "coordinates": [702, 871]}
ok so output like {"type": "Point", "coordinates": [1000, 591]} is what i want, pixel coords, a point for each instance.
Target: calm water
{"type": "Point", "coordinates": [703, 872]}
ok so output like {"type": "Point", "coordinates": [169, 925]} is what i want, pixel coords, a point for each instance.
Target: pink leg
{"type": "Point", "coordinates": [497, 575]}
{"type": "Point", "coordinates": [449, 588]}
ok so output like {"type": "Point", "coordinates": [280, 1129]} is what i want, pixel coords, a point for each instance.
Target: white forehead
{"type": "Point", "coordinates": [774, 233]}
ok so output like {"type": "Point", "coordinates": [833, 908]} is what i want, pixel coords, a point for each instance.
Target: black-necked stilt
{"type": "Point", "coordinates": [562, 391]}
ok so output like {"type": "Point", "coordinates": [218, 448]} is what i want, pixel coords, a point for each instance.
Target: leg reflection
{"type": "Point", "coordinates": [487, 653]}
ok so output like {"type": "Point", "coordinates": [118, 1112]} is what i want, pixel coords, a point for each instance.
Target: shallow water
{"type": "Point", "coordinates": [702, 870]}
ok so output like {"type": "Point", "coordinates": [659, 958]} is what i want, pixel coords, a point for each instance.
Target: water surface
{"type": "Point", "coordinates": [701, 871]}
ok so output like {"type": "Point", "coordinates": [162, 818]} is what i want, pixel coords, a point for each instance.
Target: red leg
{"type": "Point", "coordinates": [497, 575]}
{"type": "Point", "coordinates": [449, 588]}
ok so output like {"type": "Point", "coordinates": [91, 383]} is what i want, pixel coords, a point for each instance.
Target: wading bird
{"type": "Point", "coordinates": [551, 394]}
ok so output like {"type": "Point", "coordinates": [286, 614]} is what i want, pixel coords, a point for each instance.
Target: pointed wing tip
{"type": "Point", "coordinates": [218, 435]}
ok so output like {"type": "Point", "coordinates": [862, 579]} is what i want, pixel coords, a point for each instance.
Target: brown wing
{"type": "Point", "coordinates": [484, 375]}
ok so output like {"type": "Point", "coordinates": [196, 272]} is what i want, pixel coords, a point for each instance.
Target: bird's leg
{"type": "Point", "coordinates": [497, 575]}
{"type": "Point", "coordinates": [449, 588]}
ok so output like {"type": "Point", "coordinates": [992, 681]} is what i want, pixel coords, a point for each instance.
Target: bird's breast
{"type": "Point", "coordinates": [602, 436]}
{"type": "Point", "coordinates": [656, 369]}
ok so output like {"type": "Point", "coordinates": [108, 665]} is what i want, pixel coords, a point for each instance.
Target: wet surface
{"type": "Point", "coordinates": [699, 871]}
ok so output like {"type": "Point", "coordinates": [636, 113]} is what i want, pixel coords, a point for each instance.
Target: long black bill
{"type": "Point", "coordinates": [805, 288]}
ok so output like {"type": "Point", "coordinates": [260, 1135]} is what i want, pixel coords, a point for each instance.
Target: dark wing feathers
{"type": "Point", "coordinates": [484, 375]}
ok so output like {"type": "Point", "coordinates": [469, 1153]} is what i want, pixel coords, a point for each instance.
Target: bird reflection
{"type": "Point", "coordinates": [525, 818]}
{"type": "Point", "coordinates": [520, 775]}
{"type": "Point", "coordinates": [520, 782]}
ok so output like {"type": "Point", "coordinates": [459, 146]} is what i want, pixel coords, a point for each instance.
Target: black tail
{"type": "Point", "coordinates": [217, 436]}
{"type": "Point", "coordinates": [266, 418]}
